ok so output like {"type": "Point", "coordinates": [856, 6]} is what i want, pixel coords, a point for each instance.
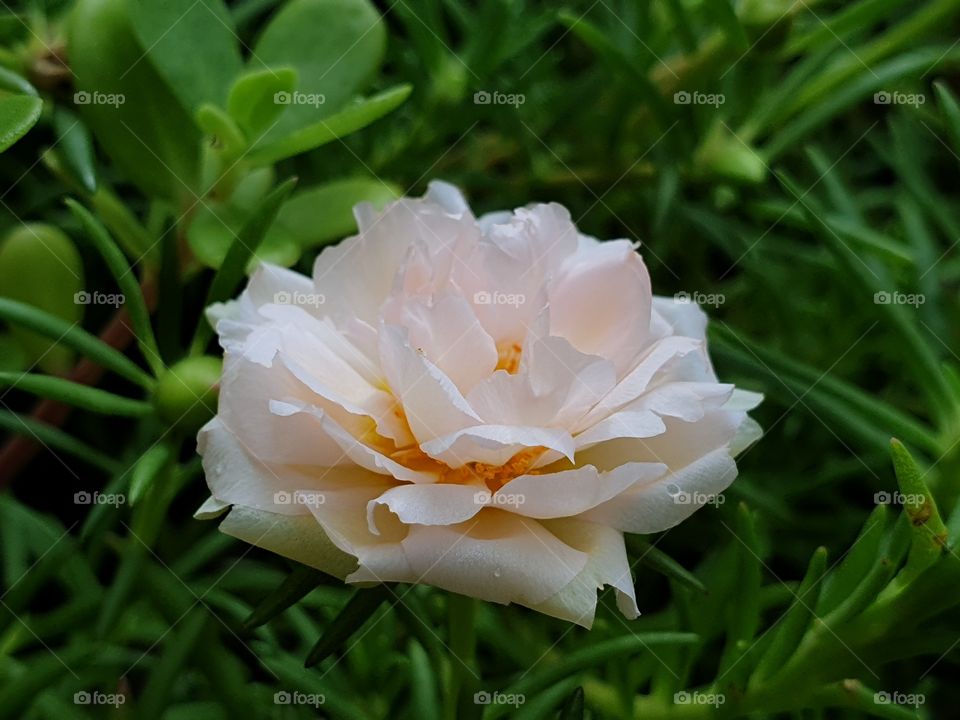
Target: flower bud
{"type": "Point", "coordinates": [40, 266]}
{"type": "Point", "coordinates": [724, 155]}
{"type": "Point", "coordinates": [186, 395]}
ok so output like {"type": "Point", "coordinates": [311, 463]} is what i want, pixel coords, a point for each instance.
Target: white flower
{"type": "Point", "coordinates": [481, 405]}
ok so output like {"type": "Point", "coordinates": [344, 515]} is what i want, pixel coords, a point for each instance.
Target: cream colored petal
{"type": "Point", "coordinates": [438, 504]}
{"type": "Point", "coordinates": [433, 405]}
{"type": "Point", "coordinates": [494, 556]}
{"type": "Point", "coordinates": [495, 444]}
{"type": "Point", "coordinates": [351, 449]}
{"type": "Point", "coordinates": [666, 502]}
{"type": "Point", "coordinates": [571, 492]}
{"type": "Point", "coordinates": [234, 477]}
{"type": "Point", "coordinates": [637, 381]}
{"type": "Point", "coordinates": [299, 538]}
{"type": "Point", "coordinates": [607, 566]}
{"type": "Point", "coordinates": [445, 329]}
{"type": "Point", "coordinates": [600, 302]}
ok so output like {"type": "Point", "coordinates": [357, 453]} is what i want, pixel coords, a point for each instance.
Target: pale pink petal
{"type": "Point", "coordinates": [434, 406]}
{"type": "Point", "coordinates": [299, 538]}
{"type": "Point", "coordinates": [572, 492]}
{"type": "Point", "coordinates": [447, 332]}
{"type": "Point", "coordinates": [600, 302]}
{"type": "Point", "coordinates": [495, 444]}
{"type": "Point", "coordinates": [439, 504]}
{"type": "Point", "coordinates": [607, 565]}
{"type": "Point", "coordinates": [494, 556]}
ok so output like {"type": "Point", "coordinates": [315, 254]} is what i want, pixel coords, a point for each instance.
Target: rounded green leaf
{"type": "Point", "coordinates": [126, 103]}
{"type": "Point", "coordinates": [40, 266]}
{"type": "Point", "coordinates": [256, 98]}
{"type": "Point", "coordinates": [324, 213]}
{"type": "Point", "coordinates": [18, 113]}
{"type": "Point", "coordinates": [336, 47]}
{"type": "Point", "coordinates": [192, 44]}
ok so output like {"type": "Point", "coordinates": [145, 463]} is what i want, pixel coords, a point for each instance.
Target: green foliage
{"type": "Point", "coordinates": [793, 162]}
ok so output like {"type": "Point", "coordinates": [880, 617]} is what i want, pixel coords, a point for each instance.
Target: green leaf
{"type": "Point", "coordinates": [351, 118]}
{"type": "Point", "coordinates": [18, 113]}
{"type": "Point", "coordinates": [193, 46]}
{"type": "Point", "coordinates": [743, 615]}
{"type": "Point", "coordinates": [40, 266]}
{"type": "Point", "coordinates": [55, 440]}
{"type": "Point", "coordinates": [139, 122]}
{"type": "Point", "coordinates": [950, 109]}
{"type": "Point", "coordinates": [213, 230]}
{"type": "Point", "coordinates": [127, 281]}
{"type": "Point", "coordinates": [16, 83]}
{"type": "Point", "coordinates": [256, 97]}
{"type": "Point", "coordinates": [245, 245]}
{"type": "Point", "coordinates": [424, 693]}
{"type": "Point", "coordinates": [219, 125]}
{"type": "Point", "coordinates": [324, 213]}
{"type": "Point", "coordinates": [81, 396]}
{"type": "Point", "coordinates": [856, 563]}
{"type": "Point", "coordinates": [619, 62]}
{"type": "Point", "coordinates": [359, 609]}
{"type": "Point", "coordinates": [76, 145]}
{"type": "Point", "coordinates": [73, 336]}
{"type": "Point", "coordinates": [165, 676]}
{"type": "Point", "coordinates": [573, 709]}
{"type": "Point", "coordinates": [858, 411]}
{"type": "Point", "coordinates": [929, 534]}
{"type": "Point", "coordinates": [46, 670]}
{"type": "Point", "coordinates": [788, 630]}
{"type": "Point", "coordinates": [872, 281]}
{"type": "Point", "coordinates": [148, 468]}
{"type": "Point", "coordinates": [592, 656]}
{"type": "Point", "coordinates": [335, 46]}
{"type": "Point", "coordinates": [654, 558]}
{"type": "Point", "coordinates": [299, 583]}
{"type": "Point", "coordinates": [724, 15]}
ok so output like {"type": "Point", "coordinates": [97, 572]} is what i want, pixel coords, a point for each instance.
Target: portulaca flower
{"type": "Point", "coordinates": [483, 405]}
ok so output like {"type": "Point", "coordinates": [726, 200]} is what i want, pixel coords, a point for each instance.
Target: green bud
{"type": "Point", "coordinates": [40, 265]}
{"type": "Point", "coordinates": [724, 155]}
{"type": "Point", "coordinates": [186, 394]}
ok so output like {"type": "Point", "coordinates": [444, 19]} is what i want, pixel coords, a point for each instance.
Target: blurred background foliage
{"type": "Point", "coordinates": [793, 163]}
